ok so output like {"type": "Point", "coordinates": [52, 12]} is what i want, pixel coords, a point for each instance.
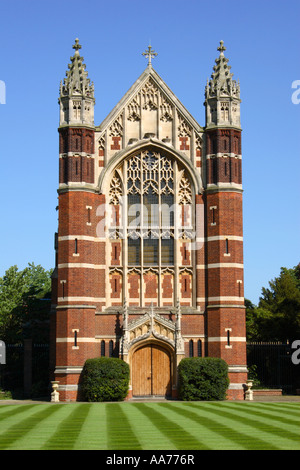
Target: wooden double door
{"type": "Point", "coordinates": [151, 371]}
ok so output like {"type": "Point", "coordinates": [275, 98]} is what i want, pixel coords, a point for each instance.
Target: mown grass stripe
{"type": "Point", "coordinates": [69, 429]}
{"type": "Point", "coordinates": [18, 430]}
{"type": "Point", "coordinates": [182, 439]}
{"type": "Point", "coordinates": [264, 414]}
{"type": "Point", "coordinates": [93, 434]}
{"type": "Point", "coordinates": [278, 407]}
{"type": "Point", "coordinates": [293, 410]}
{"type": "Point", "coordinates": [257, 424]}
{"type": "Point", "coordinates": [120, 433]}
{"type": "Point", "coordinates": [14, 410]}
{"type": "Point", "coordinates": [246, 441]}
{"type": "Point", "coordinates": [150, 436]}
{"type": "Point", "coordinates": [284, 404]}
{"type": "Point", "coordinates": [274, 414]}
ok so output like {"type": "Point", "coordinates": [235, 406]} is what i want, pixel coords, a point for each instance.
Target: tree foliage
{"type": "Point", "coordinates": [25, 303]}
{"type": "Point", "coordinates": [277, 315]}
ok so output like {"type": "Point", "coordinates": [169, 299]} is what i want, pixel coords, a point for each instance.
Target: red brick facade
{"type": "Point", "coordinates": [189, 299]}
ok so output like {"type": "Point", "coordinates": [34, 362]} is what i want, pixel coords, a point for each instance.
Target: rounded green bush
{"type": "Point", "coordinates": [203, 378]}
{"type": "Point", "coordinates": [104, 379]}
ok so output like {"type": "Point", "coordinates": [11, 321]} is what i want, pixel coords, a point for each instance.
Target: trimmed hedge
{"type": "Point", "coordinates": [203, 378]}
{"type": "Point", "coordinates": [104, 379]}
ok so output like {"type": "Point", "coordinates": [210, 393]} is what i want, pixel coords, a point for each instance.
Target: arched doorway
{"type": "Point", "coordinates": [151, 371]}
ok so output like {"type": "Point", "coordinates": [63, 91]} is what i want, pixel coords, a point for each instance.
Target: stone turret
{"type": "Point", "coordinates": [76, 98]}
{"type": "Point", "coordinates": [226, 332]}
{"type": "Point", "coordinates": [222, 95]}
{"type": "Point", "coordinates": [76, 125]}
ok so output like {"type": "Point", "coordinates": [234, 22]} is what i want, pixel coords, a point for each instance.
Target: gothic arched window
{"type": "Point", "coordinates": [150, 210]}
{"type": "Point", "coordinates": [152, 194]}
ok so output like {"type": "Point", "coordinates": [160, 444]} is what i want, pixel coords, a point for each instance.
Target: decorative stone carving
{"type": "Point", "coordinates": [116, 129]}
{"type": "Point", "coordinates": [184, 129]}
{"type": "Point", "coordinates": [134, 110]}
{"type": "Point", "coordinates": [186, 270]}
{"type": "Point", "coordinates": [179, 339]}
{"type": "Point", "coordinates": [166, 111]}
{"type": "Point", "coordinates": [221, 83]}
{"type": "Point", "coordinates": [198, 143]}
{"type": "Point", "coordinates": [150, 96]}
{"type": "Point", "coordinates": [151, 324]}
{"type": "Point", "coordinates": [101, 145]}
{"type": "Point", "coordinates": [115, 190]}
{"type": "Point", "coordinates": [222, 94]}
{"type": "Point", "coordinates": [115, 270]}
{"type": "Point", "coordinates": [134, 270]}
{"type": "Point", "coordinates": [77, 81]}
{"type": "Point", "coordinates": [185, 191]}
{"type": "Point", "coordinates": [125, 338]}
{"type": "Point", "coordinates": [186, 233]}
{"type": "Point", "coordinates": [76, 95]}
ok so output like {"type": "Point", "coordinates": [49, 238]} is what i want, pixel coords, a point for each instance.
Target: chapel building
{"type": "Point", "coordinates": [149, 249]}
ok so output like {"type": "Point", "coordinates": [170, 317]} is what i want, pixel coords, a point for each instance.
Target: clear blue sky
{"type": "Point", "coordinates": [262, 41]}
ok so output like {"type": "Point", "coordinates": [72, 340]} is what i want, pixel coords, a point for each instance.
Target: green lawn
{"type": "Point", "coordinates": [151, 426]}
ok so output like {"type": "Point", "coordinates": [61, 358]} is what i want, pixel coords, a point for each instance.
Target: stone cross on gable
{"type": "Point", "coordinates": [150, 54]}
{"type": "Point", "coordinates": [221, 48]}
{"type": "Point", "coordinates": [76, 46]}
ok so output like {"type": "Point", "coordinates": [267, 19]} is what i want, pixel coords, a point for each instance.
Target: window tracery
{"type": "Point", "coordinates": [155, 197]}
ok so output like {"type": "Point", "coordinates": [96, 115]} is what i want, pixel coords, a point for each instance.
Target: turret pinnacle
{"type": "Point", "coordinates": [76, 97]}
{"type": "Point", "coordinates": [76, 81]}
{"type": "Point", "coordinates": [221, 83]}
{"type": "Point", "coordinates": [222, 95]}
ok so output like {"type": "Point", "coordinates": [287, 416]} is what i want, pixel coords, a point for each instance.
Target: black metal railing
{"type": "Point", "coordinates": [270, 365]}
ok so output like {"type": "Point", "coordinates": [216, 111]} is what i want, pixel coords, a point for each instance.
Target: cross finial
{"type": "Point", "coordinates": [221, 48]}
{"type": "Point", "coordinates": [149, 53]}
{"type": "Point", "coordinates": [76, 46]}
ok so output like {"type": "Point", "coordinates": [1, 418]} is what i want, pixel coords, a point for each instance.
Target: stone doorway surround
{"type": "Point", "coordinates": [152, 330]}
